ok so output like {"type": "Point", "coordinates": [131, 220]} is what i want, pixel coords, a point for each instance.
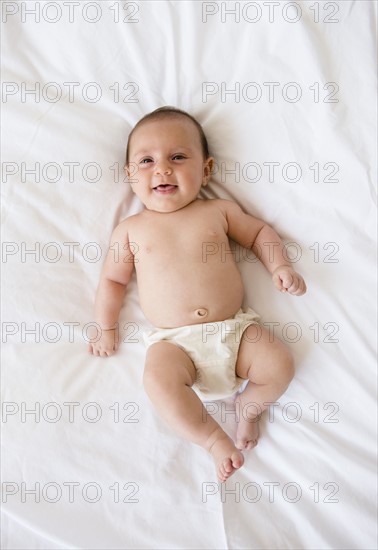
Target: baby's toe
{"type": "Point", "coordinates": [237, 459]}
{"type": "Point", "coordinates": [225, 469]}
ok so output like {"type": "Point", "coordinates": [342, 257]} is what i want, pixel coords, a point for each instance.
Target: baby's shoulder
{"type": "Point", "coordinates": [213, 203]}
{"type": "Point", "coordinates": [133, 220]}
{"type": "Point", "coordinates": [123, 229]}
{"type": "Point", "coordinates": [222, 205]}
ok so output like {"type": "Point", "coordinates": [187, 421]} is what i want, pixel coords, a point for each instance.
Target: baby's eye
{"type": "Point", "coordinates": [179, 156]}
{"type": "Point", "coordinates": [146, 160]}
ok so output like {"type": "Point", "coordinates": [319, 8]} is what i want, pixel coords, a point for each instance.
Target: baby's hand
{"type": "Point", "coordinates": [107, 343]}
{"type": "Point", "coordinates": [286, 279]}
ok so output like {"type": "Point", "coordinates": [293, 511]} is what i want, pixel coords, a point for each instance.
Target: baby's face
{"type": "Point", "coordinates": [166, 164]}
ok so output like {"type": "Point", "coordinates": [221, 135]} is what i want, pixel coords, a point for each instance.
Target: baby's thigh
{"type": "Point", "coordinates": [262, 357]}
{"type": "Point", "coordinates": [167, 363]}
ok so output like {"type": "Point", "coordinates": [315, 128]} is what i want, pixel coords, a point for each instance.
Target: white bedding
{"type": "Point", "coordinates": [286, 94]}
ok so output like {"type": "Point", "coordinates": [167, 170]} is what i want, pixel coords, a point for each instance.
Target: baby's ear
{"type": "Point", "coordinates": [207, 170]}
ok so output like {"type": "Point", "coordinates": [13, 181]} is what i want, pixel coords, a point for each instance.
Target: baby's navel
{"type": "Point", "coordinates": [201, 312]}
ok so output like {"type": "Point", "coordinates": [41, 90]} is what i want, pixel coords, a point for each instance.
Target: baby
{"type": "Point", "coordinates": [205, 347]}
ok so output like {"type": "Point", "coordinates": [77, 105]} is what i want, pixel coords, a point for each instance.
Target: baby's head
{"type": "Point", "coordinates": [164, 113]}
{"type": "Point", "coordinates": [167, 159]}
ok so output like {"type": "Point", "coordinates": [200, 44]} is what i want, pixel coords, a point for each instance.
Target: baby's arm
{"type": "Point", "coordinates": [268, 247]}
{"type": "Point", "coordinates": [115, 275]}
{"type": "Point", "coordinates": [263, 240]}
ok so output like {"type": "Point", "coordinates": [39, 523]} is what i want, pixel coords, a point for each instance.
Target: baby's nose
{"type": "Point", "coordinates": [163, 169]}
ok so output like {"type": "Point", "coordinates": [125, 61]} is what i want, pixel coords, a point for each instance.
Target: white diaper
{"type": "Point", "coordinates": [213, 348]}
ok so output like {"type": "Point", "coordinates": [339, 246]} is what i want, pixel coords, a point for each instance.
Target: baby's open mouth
{"type": "Point", "coordinates": [165, 188]}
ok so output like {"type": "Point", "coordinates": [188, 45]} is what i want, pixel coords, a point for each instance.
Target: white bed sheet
{"type": "Point", "coordinates": [106, 471]}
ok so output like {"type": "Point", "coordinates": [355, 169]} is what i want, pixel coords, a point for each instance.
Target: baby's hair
{"type": "Point", "coordinates": [170, 112]}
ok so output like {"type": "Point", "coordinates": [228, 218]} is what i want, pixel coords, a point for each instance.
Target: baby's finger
{"type": "Point", "coordinates": [298, 288]}
{"type": "Point", "coordinates": [302, 288]}
{"type": "Point", "coordinates": [287, 281]}
{"type": "Point", "coordinates": [293, 288]}
{"type": "Point", "coordinates": [278, 283]}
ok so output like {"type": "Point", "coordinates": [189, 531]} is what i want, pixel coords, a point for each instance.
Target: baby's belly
{"type": "Point", "coordinates": [173, 302]}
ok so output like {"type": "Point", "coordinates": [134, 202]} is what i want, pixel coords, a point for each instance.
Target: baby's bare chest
{"type": "Point", "coordinates": [184, 241]}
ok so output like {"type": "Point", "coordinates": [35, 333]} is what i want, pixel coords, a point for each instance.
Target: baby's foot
{"type": "Point", "coordinates": [226, 456]}
{"type": "Point", "coordinates": [247, 434]}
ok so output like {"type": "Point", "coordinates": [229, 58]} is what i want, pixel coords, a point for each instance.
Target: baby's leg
{"type": "Point", "coordinates": [268, 365]}
{"type": "Point", "coordinates": [168, 376]}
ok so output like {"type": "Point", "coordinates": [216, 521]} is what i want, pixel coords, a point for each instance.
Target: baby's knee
{"type": "Point", "coordinates": [287, 368]}
{"type": "Point", "coordinates": [167, 366]}
{"type": "Point", "coordinates": [164, 376]}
